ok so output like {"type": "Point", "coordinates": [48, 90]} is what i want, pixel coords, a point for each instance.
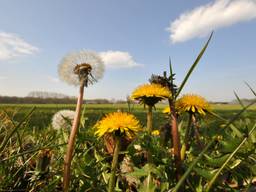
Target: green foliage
{"type": "Point", "coordinates": [24, 165]}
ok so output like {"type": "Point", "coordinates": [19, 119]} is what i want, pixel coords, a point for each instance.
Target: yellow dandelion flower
{"type": "Point", "coordinates": [126, 124]}
{"type": "Point", "coordinates": [192, 103]}
{"type": "Point", "coordinates": [150, 94]}
{"type": "Point", "coordinates": [155, 133]}
{"type": "Point", "coordinates": [166, 110]}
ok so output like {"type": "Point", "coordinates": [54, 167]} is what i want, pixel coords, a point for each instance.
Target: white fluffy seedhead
{"type": "Point", "coordinates": [70, 61]}
{"type": "Point", "coordinates": [63, 119]}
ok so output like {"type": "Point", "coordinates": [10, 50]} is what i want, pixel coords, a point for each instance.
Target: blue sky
{"type": "Point", "coordinates": [139, 35]}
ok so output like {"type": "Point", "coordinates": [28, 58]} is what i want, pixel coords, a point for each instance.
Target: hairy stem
{"type": "Point", "coordinates": [71, 142]}
{"type": "Point", "coordinates": [149, 119]}
{"type": "Point", "coordinates": [112, 179]}
{"type": "Point", "coordinates": [196, 130]}
{"type": "Point", "coordinates": [175, 137]}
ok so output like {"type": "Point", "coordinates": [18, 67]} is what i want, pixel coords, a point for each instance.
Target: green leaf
{"type": "Point", "coordinates": [230, 122]}
{"type": "Point", "coordinates": [144, 171]}
{"type": "Point", "coordinates": [216, 162]}
{"type": "Point", "coordinates": [193, 66]}
{"type": "Point", "coordinates": [138, 172]}
{"type": "Point", "coordinates": [212, 181]}
{"type": "Point", "coordinates": [204, 172]}
{"type": "Point", "coordinates": [229, 146]}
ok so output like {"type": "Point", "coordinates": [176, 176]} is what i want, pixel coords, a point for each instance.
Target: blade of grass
{"type": "Point", "coordinates": [32, 151]}
{"type": "Point", "coordinates": [251, 89]}
{"type": "Point", "coordinates": [18, 134]}
{"type": "Point", "coordinates": [239, 100]}
{"type": "Point", "coordinates": [230, 122]}
{"type": "Point", "coordinates": [239, 113]}
{"type": "Point", "coordinates": [170, 68]}
{"type": "Point", "coordinates": [4, 143]}
{"type": "Point", "coordinates": [212, 181]}
{"type": "Point", "coordinates": [231, 125]}
{"type": "Point", "coordinates": [193, 66]}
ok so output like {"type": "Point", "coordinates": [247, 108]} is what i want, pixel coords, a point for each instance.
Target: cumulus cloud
{"type": "Point", "coordinates": [118, 59]}
{"type": "Point", "coordinates": [202, 20]}
{"type": "Point", "coordinates": [12, 46]}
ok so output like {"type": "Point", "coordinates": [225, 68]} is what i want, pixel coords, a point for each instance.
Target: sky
{"type": "Point", "coordinates": [135, 39]}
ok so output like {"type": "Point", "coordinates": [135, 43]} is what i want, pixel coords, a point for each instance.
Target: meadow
{"type": "Point", "coordinates": [42, 116]}
{"type": "Point", "coordinates": [33, 157]}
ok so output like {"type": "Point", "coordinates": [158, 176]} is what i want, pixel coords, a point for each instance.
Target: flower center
{"type": "Point", "coordinates": [83, 71]}
{"type": "Point", "coordinates": [83, 68]}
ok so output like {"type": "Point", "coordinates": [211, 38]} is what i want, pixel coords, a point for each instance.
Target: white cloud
{"type": "Point", "coordinates": [118, 59]}
{"type": "Point", "coordinates": [202, 20]}
{"type": "Point", "coordinates": [12, 46]}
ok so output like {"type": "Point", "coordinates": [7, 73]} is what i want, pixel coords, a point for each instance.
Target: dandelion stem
{"type": "Point", "coordinates": [149, 129]}
{"type": "Point", "coordinates": [175, 137]}
{"type": "Point", "coordinates": [149, 119]}
{"type": "Point", "coordinates": [71, 142]}
{"type": "Point", "coordinates": [196, 130]}
{"type": "Point", "coordinates": [112, 179]}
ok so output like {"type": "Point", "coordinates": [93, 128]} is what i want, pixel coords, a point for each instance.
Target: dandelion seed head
{"type": "Point", "coordinates": [70, 65]}
{"type": "Point", "coordinates": [63, 119]}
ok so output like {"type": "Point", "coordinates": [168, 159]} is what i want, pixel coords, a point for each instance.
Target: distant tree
{"type": "Point", "coordinates": [46, 94]}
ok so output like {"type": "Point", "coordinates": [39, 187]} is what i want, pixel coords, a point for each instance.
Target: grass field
{"type": "Point", "coordinates": [43, 113]}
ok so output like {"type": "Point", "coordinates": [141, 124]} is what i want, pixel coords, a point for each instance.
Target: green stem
{"type": "Point", "coordinates": [112, 179]}
{"type": "Point", "coordinates": [149, 119]}
{"type": "Point", "coordinates": [185, 143]}
{"type": "Point", "coordinates": [149, 128]}
{"type": "Point", "coordinates": [149, 180]}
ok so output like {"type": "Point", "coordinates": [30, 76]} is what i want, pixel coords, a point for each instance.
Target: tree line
{"type": "Point", "coordinates": [38, 100]}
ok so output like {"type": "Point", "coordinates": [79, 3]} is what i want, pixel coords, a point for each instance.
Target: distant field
{"type": "Point", "coordinates": [43, 113]}
{"type": "Point", "coordinates": [230, 107]}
